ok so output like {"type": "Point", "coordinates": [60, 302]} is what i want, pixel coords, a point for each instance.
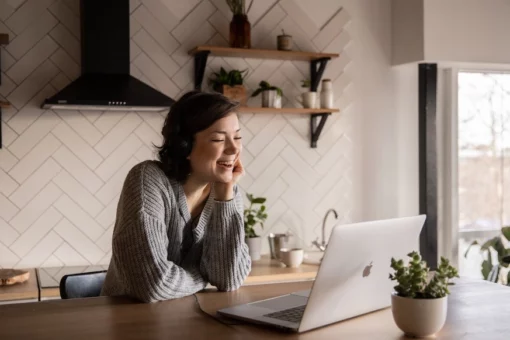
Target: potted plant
{"type": "Point", "coordinates": [253, 215]}
{"type": "Point", "coordinates": [230, 84]}
{"type": "Point", "coordinates": [271, 95]}
{"type": "Point", "coordinates": [419, 304]}
{"type": "Point", "coordinates": [494, 270]}
{"type": "Point", "coordinates": [240, 27]}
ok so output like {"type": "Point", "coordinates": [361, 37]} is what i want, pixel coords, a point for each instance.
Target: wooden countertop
{"type": "Point", "coordinates": [21, 291]}
{"type": "Point", "coordinates": [476, 310]}
{"type": "Point", "coordinates": [264, 271]}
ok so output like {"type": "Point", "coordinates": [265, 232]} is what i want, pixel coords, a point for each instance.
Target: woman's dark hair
{"type": "Point", "coordinates": [193, 112]}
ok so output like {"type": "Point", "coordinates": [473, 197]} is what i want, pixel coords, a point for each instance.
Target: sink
{"type": "Point", "coordinates": [313, 257]}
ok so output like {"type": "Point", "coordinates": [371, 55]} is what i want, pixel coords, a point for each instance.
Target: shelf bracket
{"type": "Point", "coordinates": [200, 63]}
{"type": "Point", "coordinates": [316, 130]}
{"type": "Point", "coordinates": [316, 74]}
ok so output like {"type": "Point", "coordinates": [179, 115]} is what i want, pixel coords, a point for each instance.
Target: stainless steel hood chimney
{"type": "Point", "coordinates": [105, 82]}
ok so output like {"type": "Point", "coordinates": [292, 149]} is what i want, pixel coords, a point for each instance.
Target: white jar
{"type": "Point", "coordinates": [327, 94]}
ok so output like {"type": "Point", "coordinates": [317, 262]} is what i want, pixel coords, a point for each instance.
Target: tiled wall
{"type": "Point", "coordinates": [61, 172]}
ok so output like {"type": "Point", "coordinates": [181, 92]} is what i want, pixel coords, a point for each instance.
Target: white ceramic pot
{"type": "Point", "coordinates": [254, 247]}
{"type": "Point", "coordinates": [419, 317]}
{"type": "Point", "coordinates": [270, 98]}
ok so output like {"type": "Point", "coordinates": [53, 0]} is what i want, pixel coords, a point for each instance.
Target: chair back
{"type": "Point", "coordinates": [82, 285]}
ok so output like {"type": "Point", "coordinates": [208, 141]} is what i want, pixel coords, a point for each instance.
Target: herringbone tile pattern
{"type": "Point", "coordinates": [61, 172]}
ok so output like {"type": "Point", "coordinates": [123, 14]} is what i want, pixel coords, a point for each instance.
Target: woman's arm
{"type": "Point", "coordinates": [226, 261]}
{"type": "Point", "coordinates": [140, 242]}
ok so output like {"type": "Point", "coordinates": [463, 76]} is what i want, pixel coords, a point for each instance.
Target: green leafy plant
{"type": "Point", "coordinates": [254, 214]}
{"type": "Point", "coordinates": [231, 78]}
{"type": "Point", "coordinates": [491, 269]}
{"type": "Point", "coordinates": [306, 83]}
{"type": "Point", "coordinates": [413, 279]}
{"type": "Point", "coordinates": [265, 86]}
{"type": "Point", "coordinates": [238, 7]}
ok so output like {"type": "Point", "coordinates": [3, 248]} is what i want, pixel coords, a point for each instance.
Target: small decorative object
{"type": "Point", "coordinates": [284, 42]}
{"type": "Point", "coordinates": [240, 27]}
{"type": "Point", "coordinates": [307, 99]}
{"type": "Point", "coordinates": [327, 94]}
{"type": "Point", "coordinates": [493, 270]}
{"type": "Point", "coordinates": [419, 304]}
{"type": "Point", "coordinates": [230, 84]}
{"type": "Point", "coordinates": [292, 257]}
{"type": "Point", "coordinates": [271, 95]}
{"type": "Point", "coordinates": [253, 216]}
{"type": "Point", "coordinates": [277, 242]}
{"type": "Point", "coordinates": [12, 276]}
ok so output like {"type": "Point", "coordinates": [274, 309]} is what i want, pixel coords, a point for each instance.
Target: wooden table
{"type": "Point", "coordinates": [21, 292]}
{"type": "Point", "coordinates": [477, 310]}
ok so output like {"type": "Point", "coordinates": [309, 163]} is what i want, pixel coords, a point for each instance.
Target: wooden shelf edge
{"type": "Point", "coordinates": [4, 39]}
{"type": "Point", "coordinates": [4, 104]}
{"type": "Point", "coordinates": [289, 110]}
{"type": "Point", "coordinates": [261, 53]}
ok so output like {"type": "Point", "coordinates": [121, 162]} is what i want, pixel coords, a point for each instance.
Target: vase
{"type": "Point", "coordinates": [254, 247]}
{"type": "Point", "coordinates": [270, 98]}
{"type": "Point", "coordinates": [326, 99]}
{"type": "Point", "coordinates": [419, 317]}
{"type": "Point", "coordinates": [240, 31]}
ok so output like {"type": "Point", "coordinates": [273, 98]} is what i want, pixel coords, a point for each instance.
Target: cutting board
{"type": "Point", "coordinates": [11, 276]}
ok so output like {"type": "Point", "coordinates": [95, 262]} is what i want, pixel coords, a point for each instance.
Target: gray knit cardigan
{"type": "Point", "coordinates": [159, 252]}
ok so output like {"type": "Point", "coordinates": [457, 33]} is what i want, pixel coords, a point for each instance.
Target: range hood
{"type": "Point", "coordinates": [105, 82]}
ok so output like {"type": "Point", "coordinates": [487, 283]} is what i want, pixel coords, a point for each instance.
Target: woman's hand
{"type": "Point", "coordinates": [225, 191]}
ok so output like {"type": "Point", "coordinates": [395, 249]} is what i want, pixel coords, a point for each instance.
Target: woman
{"type": "Point", "coordinates": [180, 220]}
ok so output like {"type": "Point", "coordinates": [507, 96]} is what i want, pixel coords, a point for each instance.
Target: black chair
{"type": "Point", "coordinates": [82, 285]}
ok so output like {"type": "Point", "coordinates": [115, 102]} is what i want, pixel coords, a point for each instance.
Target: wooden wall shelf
{"type": "Point", "coordinates": [318, 62]}
{"type": "Point", "coordinates": [289, 110]}
{"type": "Point", "coordinates": [261, 53]}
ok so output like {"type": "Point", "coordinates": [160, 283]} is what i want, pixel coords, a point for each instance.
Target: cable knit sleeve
{"type": "Point", "coordinates": [226, 261]}
{"type": "Point", "coordinates": [139, 265]}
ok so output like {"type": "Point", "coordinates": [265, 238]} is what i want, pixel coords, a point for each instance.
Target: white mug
{"type": "Point", "coordinates": [292, 257]}
{"type": "Point", "coordinates": [308, 99]}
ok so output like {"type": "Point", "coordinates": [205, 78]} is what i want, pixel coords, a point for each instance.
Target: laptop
{"type": "Point", "coordinates": [353, 277]}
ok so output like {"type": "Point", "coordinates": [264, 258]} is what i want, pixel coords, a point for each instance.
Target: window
{"type": "Point", "coordinates": [483, 163]}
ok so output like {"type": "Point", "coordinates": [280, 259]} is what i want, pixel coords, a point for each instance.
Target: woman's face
{"type": "Point", "coordinates": [216, 150]}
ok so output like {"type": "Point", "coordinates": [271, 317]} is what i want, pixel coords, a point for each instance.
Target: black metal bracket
{"type": "Point", "coordinates": [316, 74]}
{"type": "Point", "coordinates": [200, 63]}
{"type": "Point", "coordinates": [316, 130]}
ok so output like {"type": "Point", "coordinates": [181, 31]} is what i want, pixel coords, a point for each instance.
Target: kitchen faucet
{"type": "Point", "coordinates": [322, 245]}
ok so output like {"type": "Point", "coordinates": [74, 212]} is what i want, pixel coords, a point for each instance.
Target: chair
{"type": "Point", "coordinates": [82, 285]}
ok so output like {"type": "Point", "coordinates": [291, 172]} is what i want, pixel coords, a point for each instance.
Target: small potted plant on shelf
{"type": "Point", "coordinates": [419, 304]}
{"type": "Point", "coordinates": [240, 27]}
{"type": "Point", "coordinates": [271, 95]}
{"type": "Point", "coordinates": [308, 99]}
{"type": "Point", "coordinates": [230, 84]}
{"type": "Point", "coordinates": [254, 215]}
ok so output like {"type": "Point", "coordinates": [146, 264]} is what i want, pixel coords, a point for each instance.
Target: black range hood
{"type": "Point", "coordinates": [105, 82]}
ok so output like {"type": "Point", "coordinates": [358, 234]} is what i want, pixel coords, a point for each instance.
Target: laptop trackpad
{"type": "Point", "coordinates": [283, 302]}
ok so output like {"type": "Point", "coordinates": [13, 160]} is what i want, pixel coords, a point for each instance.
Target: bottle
{"type": "Point", "coordinates": [327, 94]}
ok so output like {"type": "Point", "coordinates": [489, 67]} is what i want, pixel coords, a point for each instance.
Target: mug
{"type": "Point", "coordinates": [308, 99]}
{"type": "Point", "coordinates": [292, 257]}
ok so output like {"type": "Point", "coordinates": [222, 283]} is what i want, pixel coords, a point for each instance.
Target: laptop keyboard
{"type": "Point", "coordinates": [292, 314]}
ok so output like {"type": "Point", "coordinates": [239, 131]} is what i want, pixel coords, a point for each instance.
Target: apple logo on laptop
{"type": "Point", "coordinates": [367, 269]}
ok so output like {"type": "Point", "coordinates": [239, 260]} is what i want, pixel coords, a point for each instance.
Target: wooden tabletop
{"type": "Point", "coordinates": [477, 310]}
{"type": "Point", "coordinates": [21, 291]}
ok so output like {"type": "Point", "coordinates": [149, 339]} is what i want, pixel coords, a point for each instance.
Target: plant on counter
{"type": "Point", "coordinates": [491, 269]}
{"type": "Point", "coordinates": [254, 215]}
{"type": "Point", "coordinates": [419, 304]}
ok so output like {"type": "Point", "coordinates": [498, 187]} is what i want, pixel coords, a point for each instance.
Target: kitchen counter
{"type": "Point", "coordinates": [44, 282]}
{"type": "Point", "coordinates": [21, 292]}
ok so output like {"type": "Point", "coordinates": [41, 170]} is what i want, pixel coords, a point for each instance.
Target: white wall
{"type": "Point", "coordinates": [61, 172]}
